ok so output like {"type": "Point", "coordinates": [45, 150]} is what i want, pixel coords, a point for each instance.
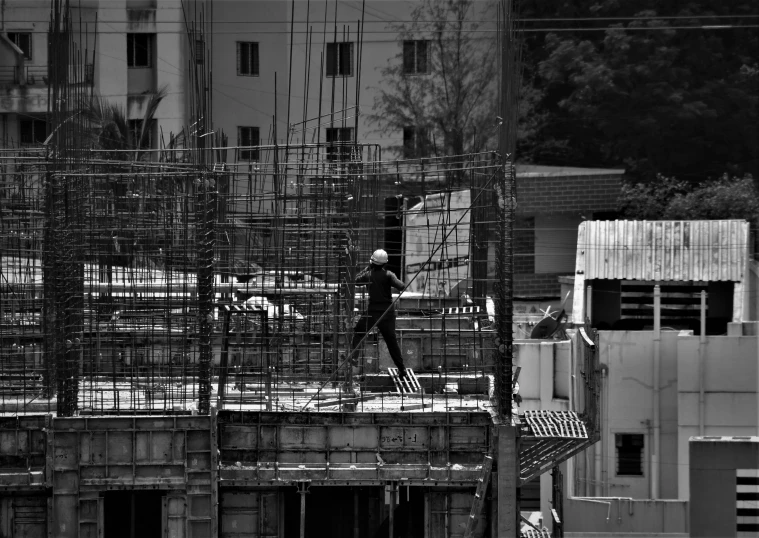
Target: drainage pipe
{"type": "Point", "coordinates": [702, 367]}
{"type": "Point", "coordinates": [656, 391]}
{"type": "Point", "coordinates": [599, 446]}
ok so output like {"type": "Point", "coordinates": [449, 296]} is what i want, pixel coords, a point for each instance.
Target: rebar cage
{"type": "Point", "coordinates": [157, 284]}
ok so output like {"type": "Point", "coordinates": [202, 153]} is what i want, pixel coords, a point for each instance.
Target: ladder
{"type": "Point", "coordinates": [408, 384]}
{"type": "Point", "coordinates": [479, 496]}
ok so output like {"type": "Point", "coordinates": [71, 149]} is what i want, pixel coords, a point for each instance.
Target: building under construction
{"type": "Point", "coordinates": [175, 330]}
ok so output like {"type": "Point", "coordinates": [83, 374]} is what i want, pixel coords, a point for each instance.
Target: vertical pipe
{"type": "Point", "coordinates": [589, 303]}
{"type": "Point", "coordinates": [391, 517]}
{"type": "Point", "coordinates": [356, 525]}
{"type": "Point", "coordinates": [302, 490]}
{"type": "Point", "coordinates": [603, 413]}
{"type": "Point", "coordinates": [657, 420]}
{"type": "Point", "coordinates": [598, 456]}
{"type": "Point", "coordinates": [702, 365]}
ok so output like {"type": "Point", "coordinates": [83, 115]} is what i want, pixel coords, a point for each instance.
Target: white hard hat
{"type": "Point", "coordinates": [379, 257]}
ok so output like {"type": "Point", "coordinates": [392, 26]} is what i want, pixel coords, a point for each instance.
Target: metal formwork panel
{"type": "Point", "coordinates": [271, 447]}
{"type": "Point", "coordinates": [448, 513]}
{"type": "Point", "coordinates": [91, 455]}
{"type": "Point", "coordinates": [249, 514]}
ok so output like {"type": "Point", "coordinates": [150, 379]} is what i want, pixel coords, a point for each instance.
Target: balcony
{"type": "Point", "coordinates": [29, 75]}
{"type": "Point", "coordinates": [23, 89]}
{"type": "Point", "coordinates": [37, 75]}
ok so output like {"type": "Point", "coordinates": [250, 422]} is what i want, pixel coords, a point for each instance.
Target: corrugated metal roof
{"type": "Point", "coordinates": [699, 250]}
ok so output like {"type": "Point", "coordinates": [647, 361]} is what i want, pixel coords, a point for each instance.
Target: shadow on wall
{"type": "Point", "coordinates": [714, 326]}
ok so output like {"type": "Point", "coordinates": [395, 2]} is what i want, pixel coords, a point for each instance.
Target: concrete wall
{"type": "Point", "coordinates": [544, 381]}
{"type": "Point", "coordinates": [607, 516]}
{"type": "Point", "coordinates": [627, 407]}
{"type": "Point", "coordinates": [248, 101]}
{"type": "Point", "coordinates": [729, 408]}
{"type": "Point", "coordinates": [730, 390]}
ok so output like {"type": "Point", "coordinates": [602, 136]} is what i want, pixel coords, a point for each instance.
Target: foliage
{"type": "Point", "coordinates": [659, 95]}
{"type": "Point", "coordinates": [109, 128]}
{"type": "Point", "coordinates": [671, 199]}
{"type": "Point", "coordinates": [455, 103]}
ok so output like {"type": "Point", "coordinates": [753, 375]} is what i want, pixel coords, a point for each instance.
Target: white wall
{"type": "Point", "coordinates": [556, 243]}
{"type": "Point", "coordinates": [730, 392]}
{"type": "Point", "coordinates": [730, 408]}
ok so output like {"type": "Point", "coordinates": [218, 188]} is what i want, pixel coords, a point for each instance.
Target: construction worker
{"type": "Point", "coordinates": [381, 310]}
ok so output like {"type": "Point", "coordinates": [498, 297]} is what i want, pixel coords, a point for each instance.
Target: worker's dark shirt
{"type": "Point", "coordinates": [380, 281]}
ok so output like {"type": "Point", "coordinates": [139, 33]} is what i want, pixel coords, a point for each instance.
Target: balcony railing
{"type": "Point", "coordinates": [37, 75]}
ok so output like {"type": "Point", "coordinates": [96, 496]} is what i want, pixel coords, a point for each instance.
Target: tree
{"type": "Point", "coordinates": [648, 94]}
{"type": "Point", "coordinates": [670, 199]}
{"type": "Point", "coordinates": [109, 128]}
{"type": "Point", "coordinates": [451, 107]}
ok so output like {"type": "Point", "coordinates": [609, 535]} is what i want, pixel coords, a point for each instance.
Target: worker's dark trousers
{"type": "Point", "coordinates": [387, 330]}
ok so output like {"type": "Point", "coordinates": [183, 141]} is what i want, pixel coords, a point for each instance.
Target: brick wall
{"type": "Point", "coordinates": [573, 195]}
{"type": "Point", "coordinates": [537, 285]}
{"type": "Point", "coordinates": [550, 195]}
{"type": "Point", "coordinates": [524, 246]}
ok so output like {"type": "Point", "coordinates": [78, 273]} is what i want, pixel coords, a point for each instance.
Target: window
{"type": "Point", "coordinates": [339, 140]}
{"type": "Point", "coordinates": [140, 50]}
{"type": "Point", "coordinates": [416, 57]}
{"type": "Point", "coordinates": [247, 59]}
{"type": "Point", "coordinates": [135, 130]}
{"type": "Point", "coordinates": [32, 132]}
{"type": "Point", "coordinates": [340, 59]}
{"type": "Point", "coordinates": [248, 136]}
{"type": "Point", "coordinates": [415, 142]}
{"type": "Point", "coordinates": [22, 40]}
{"type": "Point", "coordinates": [629, 454]}
{"type": "Point", "coordinates": [200, 51]}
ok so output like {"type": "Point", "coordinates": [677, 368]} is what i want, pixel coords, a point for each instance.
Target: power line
{"type": "Point", "coordinates": [478, 31]}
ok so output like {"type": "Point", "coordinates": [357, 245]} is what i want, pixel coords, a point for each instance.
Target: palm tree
{"type": "Point", "coordinates": [109, 129]}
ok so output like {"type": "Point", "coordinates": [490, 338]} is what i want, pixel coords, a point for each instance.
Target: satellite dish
{"type": "Point", "coordinates": [548, 326]}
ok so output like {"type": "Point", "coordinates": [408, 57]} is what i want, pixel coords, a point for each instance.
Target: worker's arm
{"type": "Point", "coordinates": [394, 282]}
{"type": "Point", "coordinates": [363, 276]}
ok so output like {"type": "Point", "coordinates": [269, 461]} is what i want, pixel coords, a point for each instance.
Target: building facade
{"type": "Point", "coordinates": [674, 302]}
{"type": "Point", "coordinates": [125, 51]}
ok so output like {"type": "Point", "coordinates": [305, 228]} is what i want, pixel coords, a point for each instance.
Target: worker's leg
{"type": "Point", "coordinates": [363, 325]}
{"type": "Point", "coordinates": [387, 329]}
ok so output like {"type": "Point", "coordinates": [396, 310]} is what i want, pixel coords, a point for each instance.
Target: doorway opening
{"type": "Point", "coordinates": [345, 512]}
{"type": "Point", "coordinates": [133, 514]}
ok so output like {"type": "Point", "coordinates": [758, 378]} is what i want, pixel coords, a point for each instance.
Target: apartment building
{"type": "Point", "coordinates": [320, 85]}
{"type": "Point", "coordinates": [126, 50]}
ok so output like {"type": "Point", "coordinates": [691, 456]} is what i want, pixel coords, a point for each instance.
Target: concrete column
{"type": "Point", "coordinates": [508, 482]}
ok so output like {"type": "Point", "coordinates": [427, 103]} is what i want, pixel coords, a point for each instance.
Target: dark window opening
{"type": "Point", "coordinates": [339, 140]}
{"type": "Point", "coordinates": [32, 131]}
{"type": "Point", "coordinates": [629, 454]}
{"type": "Point", "coordinates": [340, 59]}
{"type": "Point", "coordinates": [200, 51]}
{"type": "Point", "coordinates": [247, 59]}
{"type": "Point", "coordinates": [140, 50]}
{"type": "Point", "coordinates": [416, 57]}
{"type": "Point", "coordinates": [248, 136]}
{"type": "Point", "coordinates": [415, 142]}
{"type": "Point", "coordinates": [139, 139]}
{"type": "Point", "coordinates": [22, 40]}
